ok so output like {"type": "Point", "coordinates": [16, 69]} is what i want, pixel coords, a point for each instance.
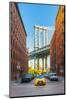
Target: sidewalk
{"type": "Point", "coordinates": [61, 78]}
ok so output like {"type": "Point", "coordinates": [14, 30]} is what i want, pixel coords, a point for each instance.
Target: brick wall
{"type": "Point", "coordinates": [57, 43]}
{"type": "Point", "coordinates": [18, 41]}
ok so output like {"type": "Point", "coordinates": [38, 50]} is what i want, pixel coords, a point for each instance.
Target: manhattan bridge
{"type": "Point", "coordinates": [41, 50]}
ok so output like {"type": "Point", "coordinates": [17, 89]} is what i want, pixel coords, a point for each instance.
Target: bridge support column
{"type": "Point", "coordinates": [42, 64]}
{"type": "Point", "coordinates": [34, 63]}
{"type": "Point", "coordinates": [46, 62]}
{"type": "Point", "coordinates": [37, 63]}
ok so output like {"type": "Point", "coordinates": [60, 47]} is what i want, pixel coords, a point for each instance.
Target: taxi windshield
{"type": "Point", "coordinates": [40, 76]}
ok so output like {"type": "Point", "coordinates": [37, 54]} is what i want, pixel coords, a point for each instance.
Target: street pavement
{"type": "Point", "coordinates": [29, 89]}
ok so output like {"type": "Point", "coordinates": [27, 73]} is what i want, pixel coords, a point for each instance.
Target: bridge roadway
{"type": "Point", "coordinates": [40, 52]}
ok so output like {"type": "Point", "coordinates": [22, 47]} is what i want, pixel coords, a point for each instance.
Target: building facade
{"type": "Point", "coordinates": [53, 54]}
{"type": "Point", "coordinates": [57, 44]}
{"type": "Point", "coordinates": [19, 54]}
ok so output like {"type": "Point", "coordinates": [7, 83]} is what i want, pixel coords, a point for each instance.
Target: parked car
{"type": "Point", "coordinates": [53, 76]}
{"type": "Point", "coordinates": [40, 80]}
{"type": "Point", "coordinates": [26, 78]}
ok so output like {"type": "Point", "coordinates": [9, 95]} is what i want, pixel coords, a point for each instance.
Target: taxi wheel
{"type": "Point", "coordinates": [36, 84]}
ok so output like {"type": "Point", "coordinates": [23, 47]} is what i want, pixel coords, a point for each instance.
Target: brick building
{"type": "Point", "coordinates": [53, 53]}
{"type": "Point", "coordinates": [57, 44]}
{"type": "Point", "coordinates": [18, 35]}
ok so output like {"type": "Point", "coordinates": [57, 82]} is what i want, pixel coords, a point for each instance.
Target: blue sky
{"type": "Point", "coordinates": [32, 14]}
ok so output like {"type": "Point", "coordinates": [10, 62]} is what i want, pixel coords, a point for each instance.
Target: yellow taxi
{"type": "Point", "coordinates": [40, 80]}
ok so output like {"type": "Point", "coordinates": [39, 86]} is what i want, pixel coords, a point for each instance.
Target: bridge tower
{"type": "Point", "coordinates": [40, 41]}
